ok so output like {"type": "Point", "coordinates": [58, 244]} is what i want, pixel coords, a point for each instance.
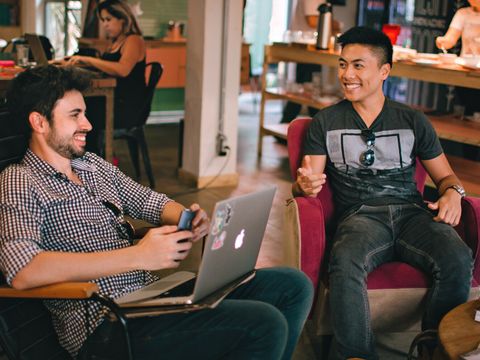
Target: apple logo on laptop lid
{"type": "Point", "coordinates": [239, 239]}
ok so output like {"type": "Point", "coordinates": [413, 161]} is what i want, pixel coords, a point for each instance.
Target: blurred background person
{"type": "Point", "coordinates": [465, 25]}
{"type": "Point", "coordinates": [125, 60]}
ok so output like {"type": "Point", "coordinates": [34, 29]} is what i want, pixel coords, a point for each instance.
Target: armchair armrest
{"type": "Point", "coordinates": [469, 230]}
{"type": "Point", "coordinates": [306, 217]}
{"type": "Point", "coordinates": [67, 290]}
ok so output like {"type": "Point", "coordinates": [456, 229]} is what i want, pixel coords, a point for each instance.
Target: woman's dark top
{"type": "Point", "coordinates": [129, 93]}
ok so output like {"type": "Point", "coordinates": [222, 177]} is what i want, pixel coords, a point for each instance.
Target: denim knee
{"type": "Point", "coordinates": [297, 282]}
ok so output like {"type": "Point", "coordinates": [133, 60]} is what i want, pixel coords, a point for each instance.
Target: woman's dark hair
{"type": "Point", "coordinates": [376, 40]}
{"type": "Point", "coordinates": [121, 10]}
{"type": "Point", "coordinates": [39, 88]}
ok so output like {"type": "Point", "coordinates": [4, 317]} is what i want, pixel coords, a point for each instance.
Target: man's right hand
{"type": "Point", "coordinates": [163, 248]}
{"type": "Point", "coordinates": [307, 182]}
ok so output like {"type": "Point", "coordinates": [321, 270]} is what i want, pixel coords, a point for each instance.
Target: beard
{"type": "Point", "coordinates": [64, 146]}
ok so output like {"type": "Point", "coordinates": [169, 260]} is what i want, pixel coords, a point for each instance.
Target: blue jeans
{"type": "Point", "coordinates": [262, 319]}
{"type": "Point", "coordinates": [374, 235]}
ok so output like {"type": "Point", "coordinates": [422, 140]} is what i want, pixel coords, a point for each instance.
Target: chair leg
{"type": "Point", "coordinates": [133, 148]}
{"type": "Point", "coordinates": [146, 158]}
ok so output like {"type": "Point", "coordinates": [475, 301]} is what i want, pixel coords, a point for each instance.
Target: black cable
{"type": "Point", "coordinates": [226, 148]}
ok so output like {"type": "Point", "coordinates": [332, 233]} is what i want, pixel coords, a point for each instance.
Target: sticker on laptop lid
{"type": "Point", "coordinates": [219, 241]}
{"type": "Point", "coordinates": [218, 222]}
{"type": "Point", "coordinates": [221, 219]}
{"type": "Point", "coordinates": [229, 214]}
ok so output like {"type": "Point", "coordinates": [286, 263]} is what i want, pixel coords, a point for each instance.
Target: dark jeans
{"type": "Point", "coordinates": [374, 235]}
{"type": "Point", "coordinates": [303, 74]}
{"type": "Point", "coordinates": [262, 319]}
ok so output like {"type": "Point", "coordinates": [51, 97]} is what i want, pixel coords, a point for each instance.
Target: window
{"type": "Point", "coordinates": [63, 25]}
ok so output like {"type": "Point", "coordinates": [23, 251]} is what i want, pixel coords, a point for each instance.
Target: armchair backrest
{"type": "Point", "coordinates": [297, 131]}
{"type": "Point", "coordinates": [13, 143]}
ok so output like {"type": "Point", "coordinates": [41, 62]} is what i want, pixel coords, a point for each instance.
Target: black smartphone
{"type": "Point", "coordinates": [185, 222]}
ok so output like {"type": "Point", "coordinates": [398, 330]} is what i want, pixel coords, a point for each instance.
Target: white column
{"type": "Point", "coordinates": [212, 88]}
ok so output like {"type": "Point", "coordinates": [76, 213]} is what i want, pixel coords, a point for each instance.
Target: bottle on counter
{"type": "Point", "coordinates": [324, 26]}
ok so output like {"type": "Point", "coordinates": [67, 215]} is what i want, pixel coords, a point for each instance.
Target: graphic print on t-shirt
{"type": "Point", "coordinates": [392, 148]}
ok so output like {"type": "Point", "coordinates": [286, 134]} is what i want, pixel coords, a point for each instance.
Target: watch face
{"type": "Point", "coordinates": [459, 189]}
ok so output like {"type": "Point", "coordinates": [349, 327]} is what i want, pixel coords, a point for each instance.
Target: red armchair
{"type": "Point", "coordinates": [396, 290]}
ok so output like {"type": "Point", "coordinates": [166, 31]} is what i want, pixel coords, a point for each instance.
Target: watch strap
{"type": "Point", "coordinates": [458, 189]}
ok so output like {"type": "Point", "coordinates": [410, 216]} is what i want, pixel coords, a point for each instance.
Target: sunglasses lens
{"type": "Point", "coordinates": [369, 137]}
{"type": "Point", "coordinates": [130, 230]}
{"type": "Point", "coordinates": [367, 158]}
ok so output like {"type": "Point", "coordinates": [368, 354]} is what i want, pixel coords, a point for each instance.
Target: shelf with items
{"type": "Point", "coordinates": [446, 126]}
{"type": "Point", "coordinates": [10, 26]}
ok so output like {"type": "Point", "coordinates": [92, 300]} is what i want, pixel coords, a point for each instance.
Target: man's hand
{"type": "Point", "coordinates": [307, 182]}
{"type": "Point", "coordinates": [449, 207]}
{"type": "Point", "coordinates": [200, 223]}
{"type": "Point", "coordinates": [163, 248]}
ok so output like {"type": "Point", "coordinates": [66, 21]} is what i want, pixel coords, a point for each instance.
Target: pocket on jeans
{"type": "Point", "coordinates": [353, 213]}
{"type": "Point", "coordinates": [424, 208]}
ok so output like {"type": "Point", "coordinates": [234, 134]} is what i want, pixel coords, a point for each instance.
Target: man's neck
{"type": "Point", "coordinates": [58, 162]}
{"type": "Point", "coordinates": [370, 108]}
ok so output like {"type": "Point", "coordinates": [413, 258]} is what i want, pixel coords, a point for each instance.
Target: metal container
{"type": "Point", "coordinates": [324, 28]}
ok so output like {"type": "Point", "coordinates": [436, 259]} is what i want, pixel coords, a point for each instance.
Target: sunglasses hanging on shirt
{"type": "Point", "coordinates": [367, 158]}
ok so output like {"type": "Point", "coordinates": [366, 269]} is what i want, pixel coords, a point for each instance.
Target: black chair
{"type": "Point", "coordinates": [135, 135]}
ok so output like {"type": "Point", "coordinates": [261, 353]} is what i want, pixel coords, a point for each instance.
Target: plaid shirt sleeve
{"type": "Point", "coordinates": [20, 219]}
{"type": "Point", "coordinates": [138, 201]}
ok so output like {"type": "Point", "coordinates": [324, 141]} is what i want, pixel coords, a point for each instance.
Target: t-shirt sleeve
{"type": "Point", "coordinates": [458, 21]}
{"type": "Point", "coordinates": [314, 143]}
{"type": "Point", "coordinates": [427, 143]}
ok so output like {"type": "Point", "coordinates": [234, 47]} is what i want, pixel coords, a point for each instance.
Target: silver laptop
{"type": "Point", "coordinates": [230, 254]}
{"type": "Point", "coordinates": [37, 49]}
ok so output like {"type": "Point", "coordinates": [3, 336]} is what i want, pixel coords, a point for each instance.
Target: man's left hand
{"type": "Point", "coordinates": [200, 223]}
{"type": "Point", "coordinates": [449, 208]}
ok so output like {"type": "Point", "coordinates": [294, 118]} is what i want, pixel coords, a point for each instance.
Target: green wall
{"type": "Point", "coordinates": [168, 99]}
{"type": "Point", "coordinates": [157, 13]}
{"type": "Point", "coordinates": [154, 22]}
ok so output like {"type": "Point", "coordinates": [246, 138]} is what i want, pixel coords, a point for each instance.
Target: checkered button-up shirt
{"type": "Point", "coordinates": [42, 210]}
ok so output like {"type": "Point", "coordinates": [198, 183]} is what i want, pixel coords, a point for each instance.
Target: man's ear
{"type": "Point", "coordinates": [38, 122]}
{"type": "Point", "coordinates": [385, 70]}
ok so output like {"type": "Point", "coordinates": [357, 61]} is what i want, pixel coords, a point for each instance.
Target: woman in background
{"type": "Point", "coordinates": [125, 60]}
{"type": "Point", "coordinates": [465, 23]}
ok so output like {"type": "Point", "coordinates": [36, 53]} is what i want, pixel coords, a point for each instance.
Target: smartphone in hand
{"type": "Point", "coordinates": [186, 217]}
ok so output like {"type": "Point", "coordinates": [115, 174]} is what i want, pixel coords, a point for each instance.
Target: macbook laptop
{"type": "Point", "coordinates": [37, 49]}
{"type": "Point", "coordinates": [230, 254]}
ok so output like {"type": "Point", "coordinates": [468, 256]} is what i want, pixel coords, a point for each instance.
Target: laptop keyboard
{"type": "Point", "coordinates": [185, 289]}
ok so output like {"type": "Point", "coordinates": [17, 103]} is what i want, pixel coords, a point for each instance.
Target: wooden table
{"type": "Point", "coordinates": [100, 87]}
{"type": "Point", "coordinates": [459, 333]}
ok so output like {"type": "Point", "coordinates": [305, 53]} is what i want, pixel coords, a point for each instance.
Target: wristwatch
{"type": "Point", "coordinates": [458, 189]}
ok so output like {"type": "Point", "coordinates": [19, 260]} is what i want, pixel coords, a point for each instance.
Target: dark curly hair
{"type": "Point", "coordinates": [39, 88]}
{"type": "Point", "coordinates": [374, 39]}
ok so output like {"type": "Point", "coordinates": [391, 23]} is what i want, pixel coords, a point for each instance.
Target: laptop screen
{"type": "Point", "coordinates": [37, 49]}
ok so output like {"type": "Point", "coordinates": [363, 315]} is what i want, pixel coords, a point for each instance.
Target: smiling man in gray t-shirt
{"type": "Point", "coordinates": [368, 145]}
